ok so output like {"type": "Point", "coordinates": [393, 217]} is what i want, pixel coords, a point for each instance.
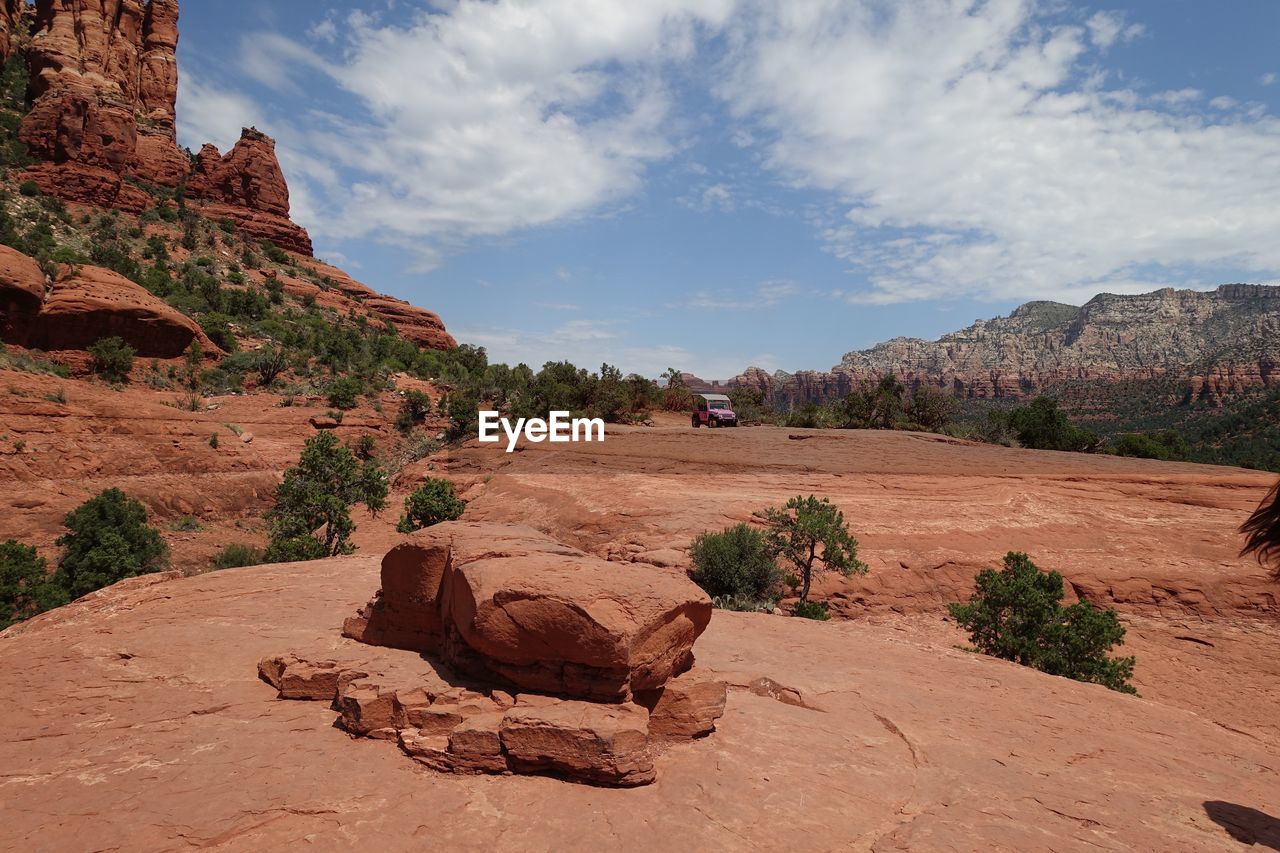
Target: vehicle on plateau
{"type": "Point", "coordinates": [713, 410]}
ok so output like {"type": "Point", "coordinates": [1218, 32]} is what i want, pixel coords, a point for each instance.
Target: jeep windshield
{"type": "Point", "coordinates": [719, 404]}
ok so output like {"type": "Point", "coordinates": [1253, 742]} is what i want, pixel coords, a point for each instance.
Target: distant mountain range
{"type": "Point", "coordinates": [1219, 343]}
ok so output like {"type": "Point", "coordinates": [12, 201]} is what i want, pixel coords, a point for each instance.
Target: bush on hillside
{"type": "Point", "coordinates": [1166, 444]}
{"type": "Point", "coordinates": [1016, 614]}
{"type": "Point", "coordinates": [108, 540]}
{"type": "Point", "coordinates": [431, 503]}
{"type": "Point", "coordinates": [413, 410]}
{"type": "Point", "coordinates": [25, 586]}
{"type": "Point", "coordinates": [112, 359]}
{"type": "Point", "coordinates": [1041, 425]}
{"type": "Point", "coordinates": [236, 555]}
{"type": "Point", "coordinates": [734, 563]}
{"type": "Point", "coordinates": [311, 517]}
{"type": "Point", "coordinates": [345, 393]}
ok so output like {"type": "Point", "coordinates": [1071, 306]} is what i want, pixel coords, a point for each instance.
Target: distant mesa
{"type": "Point", "coordinates": [1219, 342]}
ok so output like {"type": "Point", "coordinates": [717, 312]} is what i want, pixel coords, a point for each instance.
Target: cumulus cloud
{"type": "Point", "coordinates": [958, 148]}
{"type": "Point", "coordinates": [489, 117]}
{"type": "Point", "coordinates": [975, 153]}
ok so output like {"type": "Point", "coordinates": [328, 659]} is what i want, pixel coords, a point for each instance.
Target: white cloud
{"type": "Point", "coordinates": [768, 294]}
{"type": "Point", "coordinates": [1105, 28]}
{"type": "Point", "coordinates": [490, 117]}
{"type": "Point", "coordinates": [1268, 79]}
{"type": "Point", "coordinates": [975, 154]}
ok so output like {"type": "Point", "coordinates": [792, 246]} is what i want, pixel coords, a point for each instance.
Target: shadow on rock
{"type": "Point", "coordinates": [1246, 825]}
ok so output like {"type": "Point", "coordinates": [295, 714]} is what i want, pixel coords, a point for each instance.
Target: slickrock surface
{"type": "Point", "coordinates": [1221, 342]}
{"type": "Point", "coordinates": [136, 720]}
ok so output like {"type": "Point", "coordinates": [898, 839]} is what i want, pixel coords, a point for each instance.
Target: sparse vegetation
{"type": "Point", "coordinates": [431, 503]}
{"type": "Point", "coordinates": [108, 540]}
{"type": "Point", "coordinates": [312, 513]}
{"type": "Point", "coordinates": [237, 555]}
{"type": "Point", "coordinates": [112, 359]}
{"type": "Point", "coordinates": [810, 534]}
{"type": "Point", "coordinates": [1016, 614]}
{"type": "Point", "coordinates": [734, 564]}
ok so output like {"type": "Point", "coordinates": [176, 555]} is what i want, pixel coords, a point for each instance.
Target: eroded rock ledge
{"type": "Point", "coordinates": [520, 655]}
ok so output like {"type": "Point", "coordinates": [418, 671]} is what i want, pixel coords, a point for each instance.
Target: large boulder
{"type": "Point", "coordinates": [89, 303]}
{"type": "Point", "coordinates": [510, 603]}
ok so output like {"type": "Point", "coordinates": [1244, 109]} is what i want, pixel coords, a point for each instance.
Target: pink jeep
{"type": "Point", "coordinates": [714, 410]}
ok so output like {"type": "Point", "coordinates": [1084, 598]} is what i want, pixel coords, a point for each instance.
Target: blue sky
{"type": "Point", "coordinates": [712, 184]}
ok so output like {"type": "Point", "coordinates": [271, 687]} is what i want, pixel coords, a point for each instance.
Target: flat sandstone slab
{"type": "Point", "coordinates": [136, 720]}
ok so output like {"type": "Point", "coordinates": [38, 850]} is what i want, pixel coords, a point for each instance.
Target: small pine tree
{"type": "Point", "coordinates": [431, 503]}
{"type": "Point", "coordinates": [312, 514]}
{"type": "Point", "coordinates": [811, 534]}
{"type": "Point", "coordinates": [108, 540]}
{"type": "Point", "coordinates": [1016, 614]}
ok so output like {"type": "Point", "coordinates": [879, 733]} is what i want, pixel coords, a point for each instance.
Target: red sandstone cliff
{"type": "Point", "coordinates": [104, 84]}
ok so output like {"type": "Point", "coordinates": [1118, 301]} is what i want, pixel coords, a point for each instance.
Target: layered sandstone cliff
{"type": "Point", "coordinates": [1221, 342]}
{"type": "Point", "coordinates": [104, 86]}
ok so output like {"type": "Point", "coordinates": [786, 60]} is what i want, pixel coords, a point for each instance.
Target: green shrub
{"type": "Point", "coordinates": [112, 359]}
{"type": "Point", "coordinates": [1043, 426]}
{"type": "Point", "coordinates": [734, 562]}
{"type": "Point", "coordinates": [186, 524]}
{"type": "Point", "coordinates": [812, 536]}
{"type": "Point", "coordinates": [413, 410]}
{"type": "Point", "coordinates": [25, 586]}
{"type": "Point", "coordinates": [236, 555]}
{"type": "Point", "coordinates": [816, 610]}
{"type": "Point", "coordinates": [743, 603]}
{"type": "Point", "coordinates": [1016, 614]}
{"type": "Point", "coordinates": [29, 189]}
{"type": "Point", "coordinates": [217, 327]}
{"type": "Point", "coordinates": [345, 393]}
{"type": "Point", "coordinates": [108, 540]}
{"type": "Point", "coordinates": [1166, 444]}
{"type": "Point", "coordinates": [431, 503]}
{"type": "Point", "coordinates": [314, 501]}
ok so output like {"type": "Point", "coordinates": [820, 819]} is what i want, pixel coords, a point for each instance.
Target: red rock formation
{"type": "Point", "coordinates": [248, 186]}
{"type": "Point", "coordinates": [87, 304]}
{"type": "Point", "coordinates": [510, 603]}
{"type": "Point", "coordinates": [21, 293]}
{"type": "Point", "coordinates": [414, 324]}
{"type": "Point", "coordinates": [104, 83]}
{"type": "Point", "coordinates": [10, 22]}
{"type": "Point", "coordinates": [1225, 340]}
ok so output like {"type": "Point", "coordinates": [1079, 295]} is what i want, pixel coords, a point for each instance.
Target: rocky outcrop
{"type": "Point", "coordinates": [22, 283]}
{"type": "Point", "coordinates": [10, 22]}
{"type": "Point", "coordinates": [104, 85]}
{"type": "Point", "coordinates": [248, 186]}
{"type": "Point", "coordinates": [1219, 341]}
{"type": "Point", "coordinates": [414, 324]}
{"type": "Point", "coordinates": [597, 659]}
{"type": "Point", "coordinates": [511, 604]}
{"type": "Point", "coordinates": [86, 304]}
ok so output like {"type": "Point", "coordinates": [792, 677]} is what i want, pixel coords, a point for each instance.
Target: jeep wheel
{"type": "Point", "coordinates": [696, 422]}
{"type": "Point", "coordinates": [711, 423]}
